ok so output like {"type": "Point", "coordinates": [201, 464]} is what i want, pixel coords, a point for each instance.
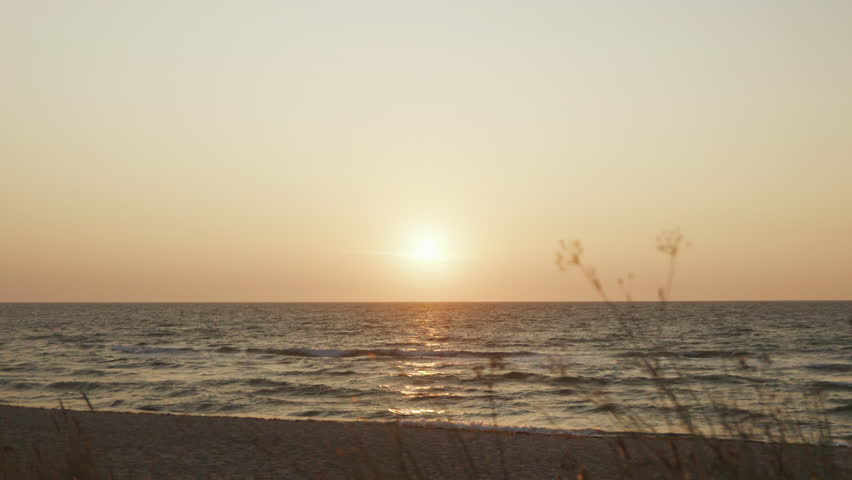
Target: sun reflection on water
{"type": "Point", "coordinates": [420, 372]}
{"type": "Point", "coordinates": [415, 411]}
{"type": "Point", "coordinates": [421, 380]}
{"type": "Point", "coordinates": [419, 369]}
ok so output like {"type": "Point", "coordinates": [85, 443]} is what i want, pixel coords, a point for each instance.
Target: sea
{"type": "Point", "coordinates": [548, 367]}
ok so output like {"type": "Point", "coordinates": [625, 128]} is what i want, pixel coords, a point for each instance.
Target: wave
{"type": "Point", "coordinates": [686, 354]}
{"type": "Point", "coordinates": [322, 371]}
{"type": "Point", "coordinates": [373, 353]}
{"type": "Point", "coordinates": [829, 385]}
{"type": "Point", "coordinates": [265, 382]}
{"type": "Point", "coordinates": [508, 377]}
{"type": "Point", "coordinates": [432, 397]}
{"type": "Point", "coordinates": [514, 375]}
{"type": "Point", "coordinates": [274, 387]}
{"type": "Point", "coordinates": [319, 413]}
{"type": "Point", "coordinates": [88, 372]}
{"type": "Point", "coordinates": [23, 366]}
{"type": "Point", "coordinates": [720, 378]}
{"type": "Point", "coordinates": [830, 367]}
{"type": "Point", "coordinates": [160, 333]}
{"type": "Point", "coordinates": [491, 427]}
{"type": "Point", "coordinates": [841, 409]}
{"type": "Point", "coordinates": [142, 349]}
{"type": "Point", "coordinates": [18, 385]}
{"type": "Point", "coordinates": [194, 407]}
{"type": "Point", "coordinates": [227, 349]}
{"type": "Point", "coordinates": [577, 380]}
{"type": "Point", "coordinates": [76, 386]}
{"type": "Point", "coordinates": [67, 338]}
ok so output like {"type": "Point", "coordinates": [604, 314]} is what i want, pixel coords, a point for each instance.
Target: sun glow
{"type": "Point", "coordinates": [428, 250]}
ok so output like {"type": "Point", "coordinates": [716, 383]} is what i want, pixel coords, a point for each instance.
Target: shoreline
{"type": "Point", "coordinates": [163, 445]}
{"type": "Point", "coordinates": [404, 421]}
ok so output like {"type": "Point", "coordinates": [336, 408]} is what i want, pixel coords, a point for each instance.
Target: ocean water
{"type": "Point", "coordinates": [522, 365]}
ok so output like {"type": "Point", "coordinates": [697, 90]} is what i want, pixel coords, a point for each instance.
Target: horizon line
{"type": "Point", "coordinates": [283, 302]}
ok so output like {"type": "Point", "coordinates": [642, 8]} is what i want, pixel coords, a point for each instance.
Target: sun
{"type": "Point", "coordinates": [427, 250]}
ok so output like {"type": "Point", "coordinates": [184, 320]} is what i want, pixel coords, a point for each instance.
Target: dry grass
{"type": "Point", "coordinates": [76, 462]}
{"type": "Point", "coordinates": [764, 440]}
{"type": "Point", "coordinates": [721, 442]}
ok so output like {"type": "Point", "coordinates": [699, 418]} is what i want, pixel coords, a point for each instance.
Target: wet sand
{"type": "Point", "coordinates": [142, 445]}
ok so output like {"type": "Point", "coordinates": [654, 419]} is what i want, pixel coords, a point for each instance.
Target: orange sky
{"type": "Point", "coordinates": [301, 151]}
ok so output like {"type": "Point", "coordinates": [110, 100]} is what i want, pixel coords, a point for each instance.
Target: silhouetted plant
{"type": "Point", "coordinates": [744, 459]}
{"type": "Point", "coordinates": [77, 461]}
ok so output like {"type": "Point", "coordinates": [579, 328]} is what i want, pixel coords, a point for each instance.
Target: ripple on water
{"type": "Point", "coordinates": [331, 359]}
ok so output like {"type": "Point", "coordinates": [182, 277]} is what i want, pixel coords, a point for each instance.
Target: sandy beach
{"type": "Point", "coordinates": [139, 445]}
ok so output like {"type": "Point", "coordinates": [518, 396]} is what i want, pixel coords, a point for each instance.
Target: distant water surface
{"type": "Point", "coordinates": [549, 365]}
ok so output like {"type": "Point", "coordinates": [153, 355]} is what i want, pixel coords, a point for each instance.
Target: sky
{"type": "Point", "coordinates": [423, 151]}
